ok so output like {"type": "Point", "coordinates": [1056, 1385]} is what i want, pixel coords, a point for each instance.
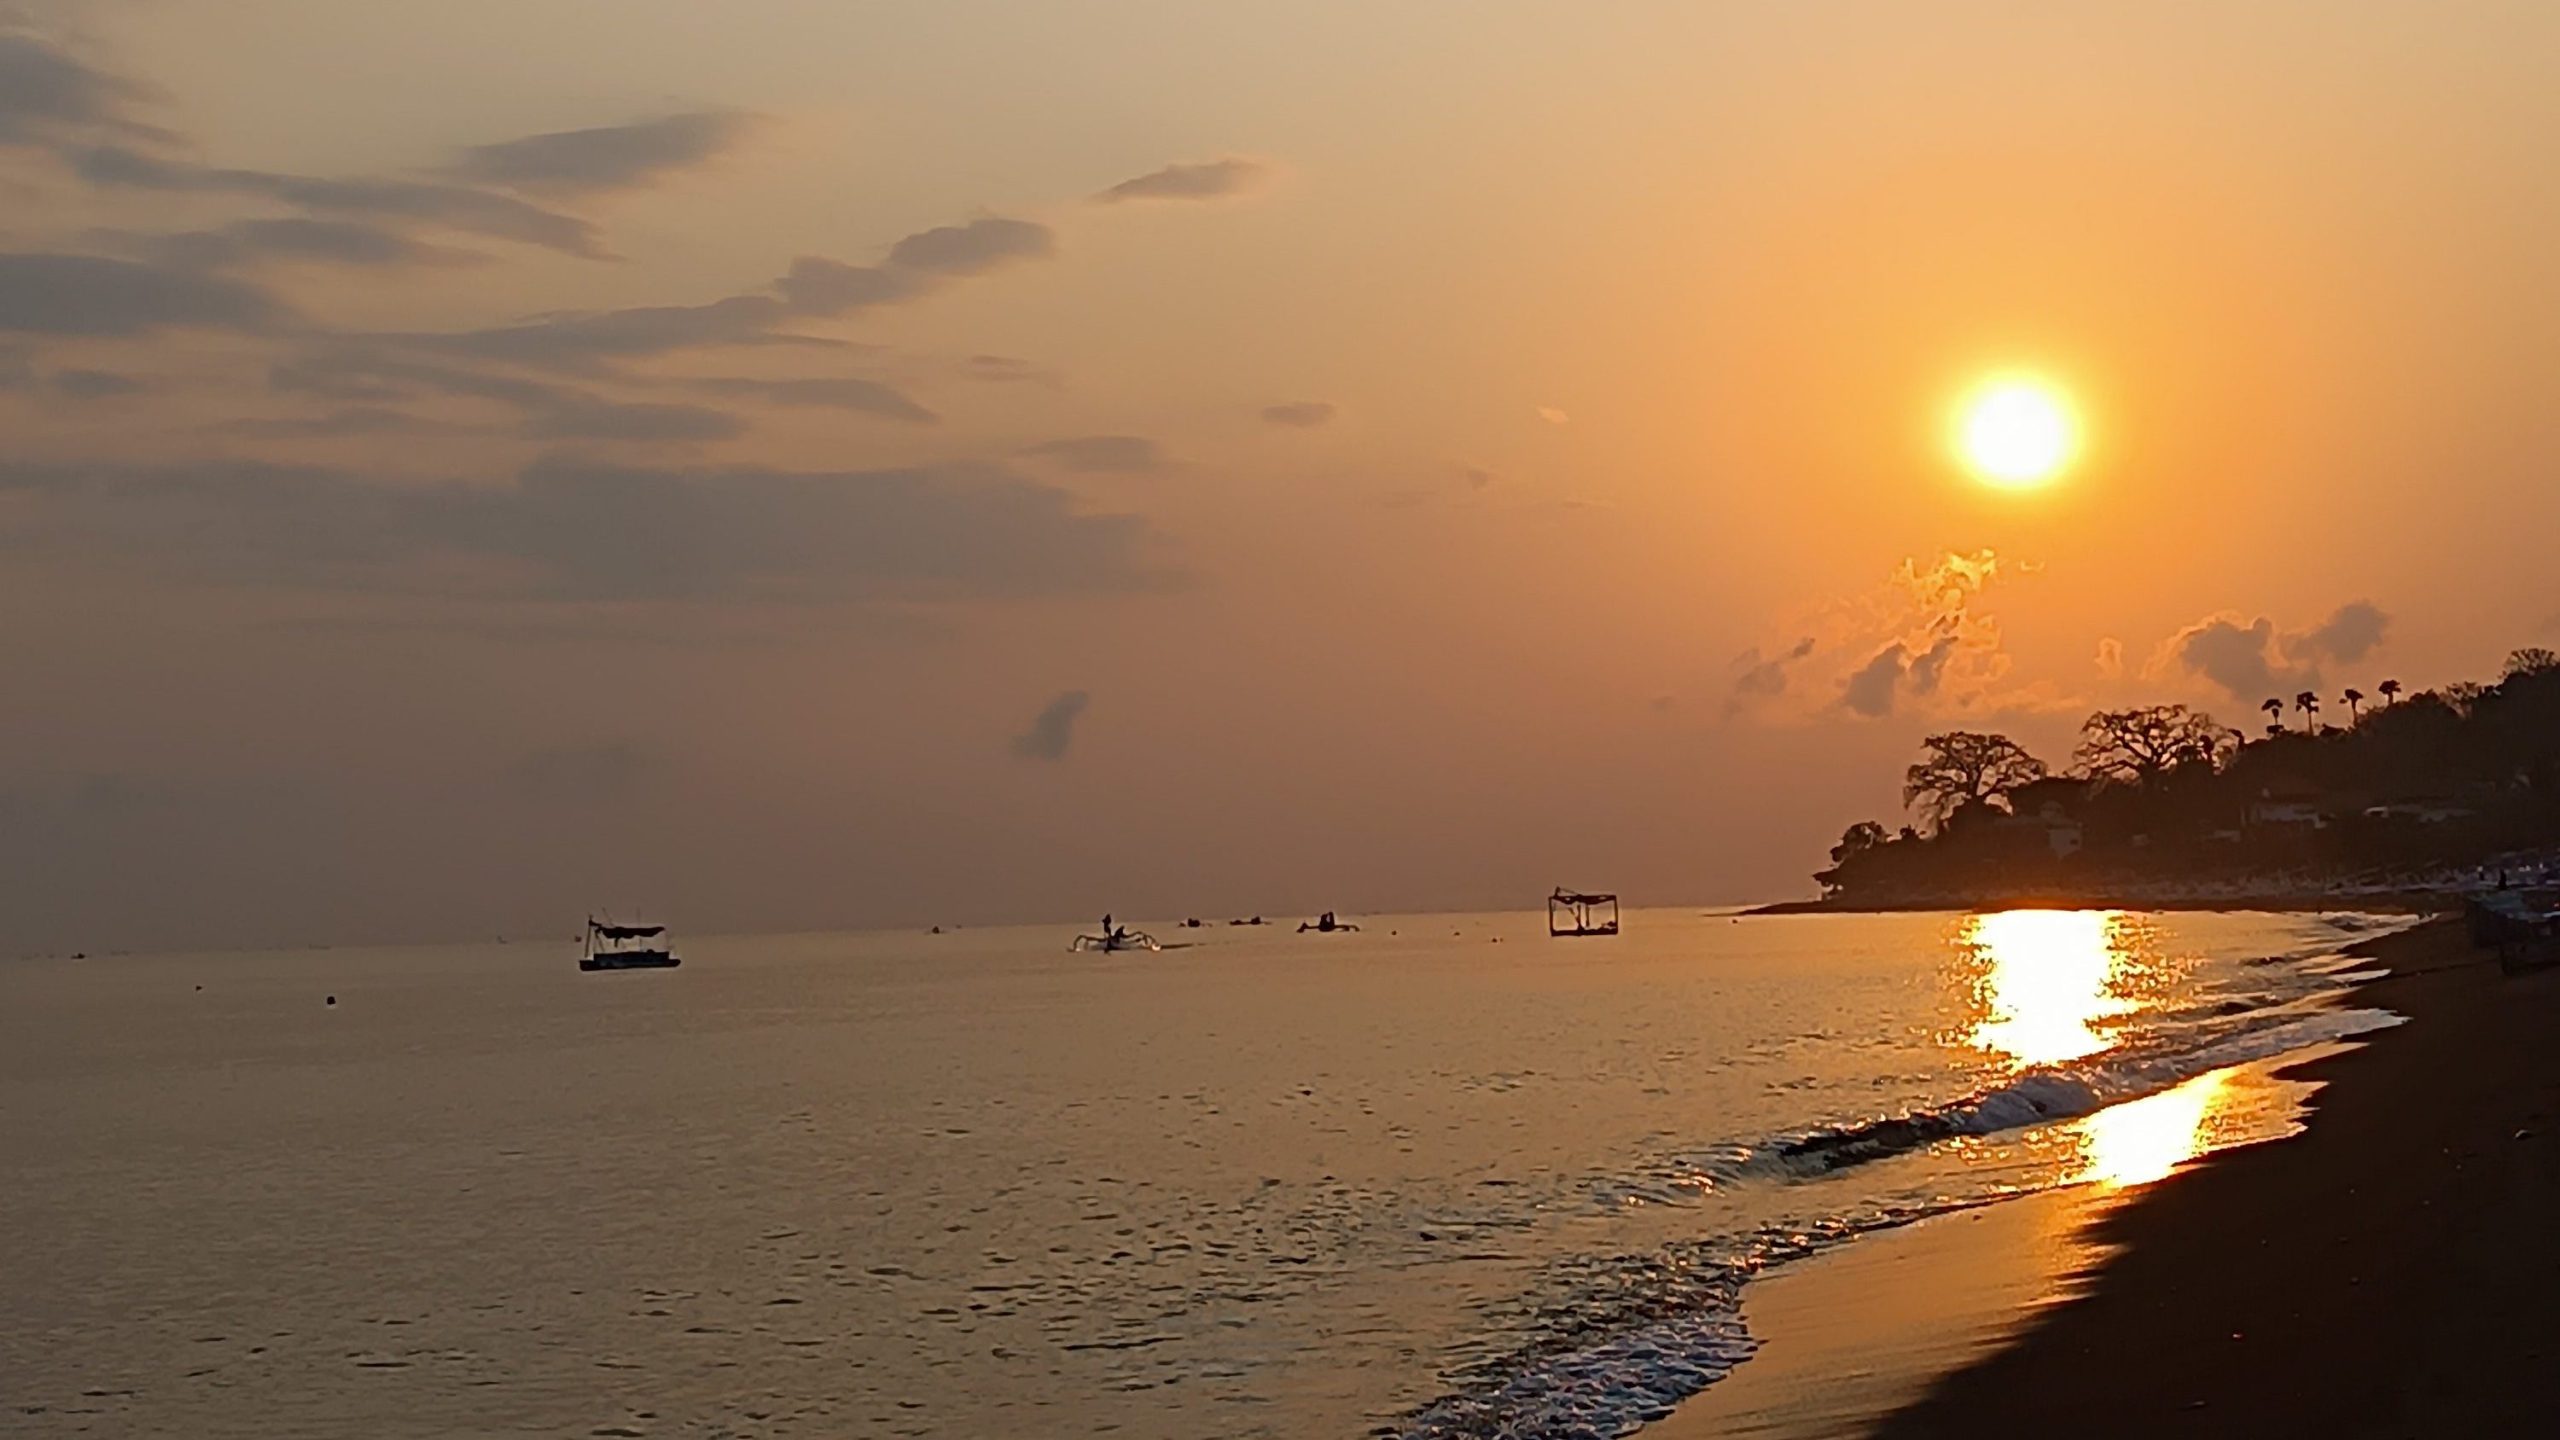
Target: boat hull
{"type": "Point", "coordinates": [630, 960]}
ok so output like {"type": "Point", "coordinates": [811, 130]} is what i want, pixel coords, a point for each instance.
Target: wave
{"type": "Point", "coordinates": [2065, 1092]}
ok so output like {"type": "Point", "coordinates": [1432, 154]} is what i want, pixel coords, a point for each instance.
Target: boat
{"type": "Point", "coordinates": [1325, 924]}
{"type": "Point", "coordinates": [1581, 912]}
{"type": "Point", "coordinates": [1121, 938]}
{"type": "Point", "coordinates": [626, 947]}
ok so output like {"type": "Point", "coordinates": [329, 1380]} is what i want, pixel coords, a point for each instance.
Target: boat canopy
{"type": "Point", "coordinates": [1579, 897]}
{"type": "Point", "coordinates": [625, 932]}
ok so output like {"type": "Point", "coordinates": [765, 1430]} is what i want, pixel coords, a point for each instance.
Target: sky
{"type": "Point", "coordinates": [795, 464]}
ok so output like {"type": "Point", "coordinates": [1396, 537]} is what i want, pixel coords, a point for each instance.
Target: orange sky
{"type": "Point", "coordinates": [465, 464]}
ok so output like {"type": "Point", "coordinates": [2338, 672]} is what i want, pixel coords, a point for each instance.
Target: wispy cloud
{"type": "Point", "coordinates": [606, 157]}
{"type": "Point", "coordinates": [1208, 180]}
{"type": "Point", "coordinates": [1053, 729]}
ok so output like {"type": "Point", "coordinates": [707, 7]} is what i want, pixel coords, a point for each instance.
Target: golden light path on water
{"type": "Point", "coordinates": [2055, 986]}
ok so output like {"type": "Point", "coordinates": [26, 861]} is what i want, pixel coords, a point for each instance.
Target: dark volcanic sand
{"type": "Point", "coordinates": [2393, 1272]}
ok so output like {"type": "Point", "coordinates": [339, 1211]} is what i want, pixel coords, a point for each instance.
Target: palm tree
{"type": "Point", "coordinates": [2354, 698]}
{"type": "Point", "coordinates": [2309, 704]}
{"type": "Point", "coordinates": [2275, 714]}
{"type": "Point", "coordinates": [2390, 690]}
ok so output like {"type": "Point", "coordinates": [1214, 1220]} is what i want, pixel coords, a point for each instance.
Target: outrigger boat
{"type": "Point", "coordinates": [1119, 938]}
{"type": "Point", "coordinates": [626, 947]}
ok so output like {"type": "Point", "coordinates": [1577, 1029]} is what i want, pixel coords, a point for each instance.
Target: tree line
{"type": "Point", "coordinates": [2158, 792]}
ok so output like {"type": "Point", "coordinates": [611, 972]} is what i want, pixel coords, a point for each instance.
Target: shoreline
{"type": "Point", "coordinates": [2402, 902]}
{"type": "Point", "coordinates": [2384, 1273]}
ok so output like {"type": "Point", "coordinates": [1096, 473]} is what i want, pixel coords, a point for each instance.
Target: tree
{"type": "Point", "coordinates": [2390, 690]}
{"type": "Point", "coordinates": [2138, 745]}
{"type": "Point", "coordinates": [2531, 660]}
{"type": "Point", "coordinates": [1857, 840]}
{"type": "Point", "coordinates": [2354, 697]}
{"type": "Point", "coordinates": [1964, 768]}
{"type": "Point", "coordinates": [2309, 704]}
{"type": "Point", "coordinates": [2275, 714]}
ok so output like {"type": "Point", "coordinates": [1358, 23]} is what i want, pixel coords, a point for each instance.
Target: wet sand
{"type": "Point", "coordinates": [1853, 1334]}
{"type": "Point", "coordinates": [2393, 1272]}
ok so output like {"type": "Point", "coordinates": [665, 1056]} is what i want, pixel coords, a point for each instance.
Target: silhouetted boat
{"type": "Point", "coordinates": [1325, 924]}
{"type": "Point", "coordinates": [626, 947]}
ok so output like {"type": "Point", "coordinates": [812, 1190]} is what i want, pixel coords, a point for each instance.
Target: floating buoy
{"type": "Point", "coordinates": [333, 999]}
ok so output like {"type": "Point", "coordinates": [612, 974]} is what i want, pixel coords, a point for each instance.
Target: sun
{"type": "Point", "coordinates": [2016, 431]}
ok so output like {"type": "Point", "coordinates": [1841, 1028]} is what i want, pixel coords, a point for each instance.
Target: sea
{"type": "Point", "coordinates": [1440, 1177]}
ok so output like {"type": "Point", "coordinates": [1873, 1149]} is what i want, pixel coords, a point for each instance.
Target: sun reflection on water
{"type": "Point", "coordinates": [2048, 979]}
{"type": "Point", "coordinates": [2139, 1141]}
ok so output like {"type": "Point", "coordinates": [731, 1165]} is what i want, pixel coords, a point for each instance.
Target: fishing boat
{"type": "Point", "coordinates": [1117, 938]}
{"type": "Point", "coordinates": [626, 947]}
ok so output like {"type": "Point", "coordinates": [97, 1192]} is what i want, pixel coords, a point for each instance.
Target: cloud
{"type": "Point", "coordinates": [352, 420]}
{"type": "Point", "coordinates": [2254, 660]}
{"type": "Point", "coordinates": [860, 397]}
{"type": "Point", "coordinates": [53, 294]}
{"type": "Point", "coordinates": [2348, 635]}
{"type": "Point", "coordinates": [1101, 454]}
{"type": "Point", "coordinates": [974, 248]}
{"type": "Point", "coordinates": [1760, 678]}
{"type": "Point", "coordinates": [1212, 180]}
{"type": "Point", "coordinates": [2110, 658]}
{"type": "Point", "coordinates": [580, 341]}
{"type": "Point", "coordinates": [1923, 641]}
{"type": "Point", "coordinates": [1053, 729]}
{"type": "Point", "coordinates": [96, 384]}
{"type": "Point", "coordinates": [551, 411]}
{"type": "Point", "coordinates": [607, 157]}
{"type": "Point", "coordinates": [48, 96]}
{"type": "Point", "coordinates": [567, 529]}
{"type": "Point", "coordinates": [287, 238]}
{"type": "Point", "coordinates": [588, 418]}
{"type": "Point", "coordinates": [1870, 688]}
{"type": "Point", "coordinates": [453, 207]}
{"type": "Point", "coordinates": [590, 773]}
{"type": "Point", "coordinates": [1007, 370]}
{"type": "Point", "coordinates": [1304, 414]}
{"type": "Point", "coordinates": [815, 285]}
{"type": "Point", "coordinates": [1554, 416]}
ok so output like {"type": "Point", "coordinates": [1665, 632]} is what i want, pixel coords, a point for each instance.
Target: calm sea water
{"type": "Point", "coordinates": [1442, 1177]}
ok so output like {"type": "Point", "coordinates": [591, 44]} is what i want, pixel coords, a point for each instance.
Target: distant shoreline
{"type": "Point", "coordinates": [2414, 902]}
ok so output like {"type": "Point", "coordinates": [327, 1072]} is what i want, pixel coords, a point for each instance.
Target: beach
{"type": "Point", "coordinates": [2388, 1273]}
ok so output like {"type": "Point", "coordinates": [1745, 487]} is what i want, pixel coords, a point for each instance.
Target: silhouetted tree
{"type": "Point", "coordinates": [2139, 745]}
{"type": "Point", "coordinates": [1857, 840]}
{"type": "Point", "coordinates": [2309, 704]}
{"type": "Point", "coordinates": [2390, 690]}
{"type": "Point", "coordinates": [2531, 660]}
{"type": "Point", "coordinates": [1964, 768]}
{"type": "Point", "coordinates": [2354, 697]}
{"type": "Point", "coordinates": [2275, 714]}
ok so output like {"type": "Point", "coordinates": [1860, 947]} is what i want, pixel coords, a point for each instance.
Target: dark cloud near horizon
{"type": "Point", "coordinates": [860, 397]}
{"type": "Point", "coordinates": [1210, 180]}
{"type": "Point", "coordinates": [606, 157]}
{"type": "Point", "coordinates": [1053, 729]}
{"type": "Point", "coordinates": [1301, 414]}
{"type": "Point", "coordinates": [1101, 454]}
{"type": "Point", "coordinates": [570, 529]}
{"type": "Point", "coordinates": [584, 417]}
{"type": "Point", "coordinates": [94, 295]}
{"type": "Point", "coordinates": [2254, 661]}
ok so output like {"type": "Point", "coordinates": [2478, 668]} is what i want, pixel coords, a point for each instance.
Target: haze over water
{"type": "Point", "coordinates": [1438, 1177]}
